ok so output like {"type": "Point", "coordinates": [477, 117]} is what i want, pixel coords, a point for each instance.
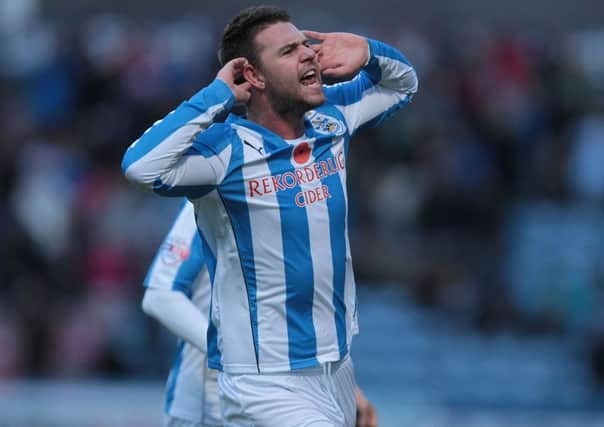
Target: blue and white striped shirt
{"type": "Point", "coordinates": [273, 214]}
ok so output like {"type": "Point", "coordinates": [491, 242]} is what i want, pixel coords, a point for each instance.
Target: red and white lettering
{"type": "Point", "coordinates": [289, 179]}
{"type": "Point", "coordinates": [308, 197]}
{"type": "Point", "coordinates": [253, 186]}
{"type": "Point", "coordinates": [309, 173]}
{"type": "Point", "coordinates": [266, 186]}
{"type": "Point", "coordinates": [325, 168]}
{"type": "Point", "coordinates": [277, 183]}
{"type": "Point", "coordinates": [325, 190]}
{"type": "Point", "coordinates": [317, 169]}
{"type": "Point", "coordinates": [299, 199]}
{"type": "Point", "coordinates": [304, 175]}
{"type": "Point", "coordinates": [341, 162]}
{"type": "Point", "coordinates": [300, 175]}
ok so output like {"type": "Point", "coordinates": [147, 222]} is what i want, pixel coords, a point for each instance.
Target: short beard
{"type": "Point", "coordinates": [288, 106]}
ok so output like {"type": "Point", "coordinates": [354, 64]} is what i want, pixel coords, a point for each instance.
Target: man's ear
{"type": "Point", "coordinates": [254, 76]}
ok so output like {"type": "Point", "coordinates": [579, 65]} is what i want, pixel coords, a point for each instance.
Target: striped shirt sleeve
{"type": "Point", "coordinates": [179, 260]}
{"type": "Point", "coordinates": [163, 159]}
{"type": "Point", "coordinates": [384, 85]}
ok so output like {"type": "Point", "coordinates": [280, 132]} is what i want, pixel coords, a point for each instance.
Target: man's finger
{"type": "Point", "coordinates": [237, 64]}
{"type": "Point", "coordinates": [373, 420]}
{"type": "Point", "coordinates": [238, 61]}
{"type": "Point", "coordinates": [243, 92]}
{"type": "Point", "coordinates": [245, 86]}
{"type": "Point", "coordinates": [332, 71]}
{"type": "Point", "coordinates": [314, 35]}
{"type": "Point", "coordinates": [361, 419]}
{"type": "Point", "coordinates": [371, 416]}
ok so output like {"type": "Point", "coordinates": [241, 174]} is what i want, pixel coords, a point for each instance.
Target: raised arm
{"type": "Point", "coordinates": [384, 80]}
{"type": "Point", "coordinates": [161, 158]}
{"type": "Point", "coordinates": [178, 271]}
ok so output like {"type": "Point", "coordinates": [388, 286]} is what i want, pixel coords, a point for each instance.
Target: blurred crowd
{"type": "Point", "coordinates": [484, 196]}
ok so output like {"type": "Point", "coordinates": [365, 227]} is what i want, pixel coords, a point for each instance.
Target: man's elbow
{"type": "Point", "coordinates": [130, 168]}
{"type": "Point", "coordinates": [137, 173]}
{"type": "Point", "coordinates": [149, 303]}
{"type": "Point", "coordinates": [130, 158]}
{"type": "Point", "coordinates": [410, 81]}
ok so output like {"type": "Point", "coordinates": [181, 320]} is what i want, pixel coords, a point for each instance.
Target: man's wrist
{"type": "Point", "coordinates": [223, 88]}
{"type": "Point", "coordinates": [217, 92]}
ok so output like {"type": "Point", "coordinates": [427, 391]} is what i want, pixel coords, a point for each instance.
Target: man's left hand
{"type": "Point", "coordinates": [340, 55]}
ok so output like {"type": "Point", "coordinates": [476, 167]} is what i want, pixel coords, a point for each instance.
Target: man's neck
{"type": "Point", "coordinates": [287, 126]}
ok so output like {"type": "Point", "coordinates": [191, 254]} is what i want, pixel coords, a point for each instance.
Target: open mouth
{"type": "Point", "coordinates": [310, 78]}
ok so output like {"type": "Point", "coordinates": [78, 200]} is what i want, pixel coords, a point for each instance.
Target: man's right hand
{"type": "Point", "coordinates": [230, 73]}
{"type": "Point", "coordinates": [366, 415]}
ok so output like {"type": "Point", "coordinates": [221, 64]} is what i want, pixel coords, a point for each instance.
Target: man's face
{"type": "Point", "coordinates": [290, 68]}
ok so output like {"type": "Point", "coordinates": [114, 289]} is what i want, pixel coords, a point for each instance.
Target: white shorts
{"type": "Point", "coordinates": [170, 421]}
{"type": "Point", "coordinates": [318, 397]}
{"type": "Point", "coordinates": [205, 412]}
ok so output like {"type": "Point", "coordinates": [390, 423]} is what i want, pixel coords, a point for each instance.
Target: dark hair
{"type": "Point", "coordinates": [238, 36]}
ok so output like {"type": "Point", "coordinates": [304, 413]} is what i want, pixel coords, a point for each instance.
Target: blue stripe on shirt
{"type": "Point", "coordinates": [190, 268]}
{"type": "Point", "coordinates": [214, 355]}
{"type": "Point", "coordinates": [298, 267]}
{"type": "Point", "coordinates": [173, 379]}
{"type": "Point", "coordinates": [236, 206]}
{"type": "Point", "coordinates": [336, 208]}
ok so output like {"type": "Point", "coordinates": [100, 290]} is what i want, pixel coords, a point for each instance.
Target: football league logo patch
{"type": "Point", "coordinates": [174, 250]}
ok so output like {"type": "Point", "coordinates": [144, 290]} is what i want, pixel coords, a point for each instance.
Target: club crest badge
{"type": "Point", "coordinates": [325, 124]}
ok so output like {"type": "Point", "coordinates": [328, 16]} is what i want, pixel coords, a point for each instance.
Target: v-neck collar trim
{"type": "Point", "coordinates": [271, 140]}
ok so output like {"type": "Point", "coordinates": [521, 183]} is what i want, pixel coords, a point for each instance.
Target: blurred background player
{"type": "Point", "coordinates": [178, 295]}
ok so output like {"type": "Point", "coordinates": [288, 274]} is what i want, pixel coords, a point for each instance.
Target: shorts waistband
{"type": "Point", "coordinates": [326, 368]}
